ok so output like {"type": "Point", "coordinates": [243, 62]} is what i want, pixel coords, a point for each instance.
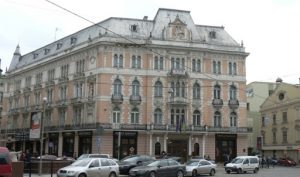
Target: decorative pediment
{"type": "Point", "coordinates": [177, 30]}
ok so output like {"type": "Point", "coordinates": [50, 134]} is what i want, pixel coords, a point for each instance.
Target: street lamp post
{"type": "Point", "coordinates": [41, 136]}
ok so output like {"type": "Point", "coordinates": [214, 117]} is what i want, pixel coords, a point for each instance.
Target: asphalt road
{"type": "Point", "coordinates": [278, 171]}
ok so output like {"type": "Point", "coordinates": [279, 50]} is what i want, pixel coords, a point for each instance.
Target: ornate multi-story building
{"type": "Point", "coordinates": [280, 122]}
{"type": "Point", "coordinates": [165, 84]}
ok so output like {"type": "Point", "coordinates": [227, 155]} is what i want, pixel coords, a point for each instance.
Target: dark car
{"type": "Point", "coordinates": [161, 167]}
{"type": "Point", "coordinates": [132, 161]}
{"type": "Point", "coordinates": [286, 162]}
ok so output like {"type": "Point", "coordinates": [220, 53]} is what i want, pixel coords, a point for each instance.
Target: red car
{"type": "Point", "coordinates": [5, 162]}
{"type": "Point", "coordinates": [286, 162]}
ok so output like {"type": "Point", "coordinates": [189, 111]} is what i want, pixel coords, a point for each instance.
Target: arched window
{"type": "Point", "coordinates": [136, 88]}
{"type": "Point", "coordinates": [196, 91]}
{"type": "Point", "coordinates": [232, 92]}
{"type": "Point", "coordinates": [157, 149]}
{"type": "Point", "coordinates": [116, 115]}
{"type": "Point", "coordinates": [134, 116]}
{"type": "Point", "coordinates": [217, 119]}
{"type": "Point", "coordinates": [158, 116]}
{"type": "Point", "coordinates": [196, 118]}
{"type": "Point", "coordinates": [233, 119]}
{"type": "Point", "coordinates": [196, 149]}
{"type": "Point", "coordinates": [217, 92]}
{"type": "Point", "coordinates": [158, 89]}
{"type": "Point", "coordinates": [117, 87]}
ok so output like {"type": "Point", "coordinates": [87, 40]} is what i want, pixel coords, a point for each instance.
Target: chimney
{"type": "Point", "coordinates": [145, 18]}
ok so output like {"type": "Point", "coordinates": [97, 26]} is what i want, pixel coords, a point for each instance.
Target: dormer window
{"type": "Point", "coordinates": [133, 28]}
{"type": "Point", "coordinates": [58, 46]}
{"type": "Point", "coordinates": [46, 51]}
{"type": "Point", "coordinates": [212, 34]}
{"type": "Point", "coordinates": [73, 40]}
{"type": "Point", "coordinates": [35, 55]}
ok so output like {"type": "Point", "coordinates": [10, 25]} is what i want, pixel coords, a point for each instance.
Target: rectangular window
{"type": "Point", "coordinates": [51, 74]}
{"type": "Point", "coordinates": [274, 119]}
{"type": "Point", "coordinates": [39, 78]}
{"type": "Point", "coordinates": [284, 117]}
{"type": "Point", "coordinates": [116, 117]}
{"type": "Point", "coordinates": [284, 137]}
{"type": "Point", "coordinates": [79, 90]}
{"type": "Point", "coordinates": [37, 98]}
{"type": "Point", "coordinates": [62, 117]}
{"type": "Point", "coordinates": [274, 137]}
{"type": "Point", "coordinates": [134, 117]}
{"type": "Point", "coordinates": [28, 82]}
{"type": "Point", "coordinates": [18, 84]}
{"type": "Point", "coordinates": [63, 93]}
{"type": "Point", "coordinates": [80, 66]}
{"type": "Point", "coordinates": [64, 70]}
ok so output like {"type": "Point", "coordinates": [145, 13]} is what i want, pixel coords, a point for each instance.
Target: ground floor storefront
{"type": "Point", "coordinates": [120, 143]}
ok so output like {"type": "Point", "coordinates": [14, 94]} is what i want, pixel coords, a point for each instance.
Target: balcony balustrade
{"type": "Point", "coordinates": [217, 103]}
{"type": "Point", "coordinates": [177, 72]}
{"type": "Point", "coordinates": [135, 99]}
{"type": "Point", "coordinates": [77, 100]}
{"type": "Point", "coordinates": [117, 99]}
{"type": "Point", "coordinates": [233, 103]}
{"type": "Point", "coordinates": [62, 103]}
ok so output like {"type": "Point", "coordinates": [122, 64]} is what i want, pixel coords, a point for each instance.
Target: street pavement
{"type": "Point", "coordinates": [278, 171]}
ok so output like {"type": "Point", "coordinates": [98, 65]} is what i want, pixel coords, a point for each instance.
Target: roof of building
{"type": "Point", "coordinates": [127, 30]}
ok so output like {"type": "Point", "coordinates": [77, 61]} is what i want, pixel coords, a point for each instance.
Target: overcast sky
{"type": "Point", "coordinates": [269, 29]}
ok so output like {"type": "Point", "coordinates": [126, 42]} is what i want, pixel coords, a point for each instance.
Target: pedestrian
{"type": "Point", "coordinates": [262, 161]}
{"type": "Point", "coordinates": [268, 161]}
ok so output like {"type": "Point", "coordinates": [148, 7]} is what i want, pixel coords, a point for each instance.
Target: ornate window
{"type": "Point", "coordinates": [233, 92]}
{"type": "Point", "coordinates": [116, 115]}
{"type": "Point", "coordinates": [158, 89]}
{"type": "Point", "coordinates": [80, 66]}
{"type": "Point", "coordinates": [77, 115]}
{"type": "Point", "coordinates": [117, 87]}
{"type": "Point", "coordinates": [217, 92]}
{"type": "Point", "coordinates": [216, 67]}
{"type": "Point", "coordinates": [134, 116]}
{"type": "Point", "coordinates": [158, 116]}
{"type": "Point", "coordinates": [136, 62]}
{"type": "Point", "coordinates": [196, 65]}
{"type": "Point", "coordinates": [159, 63]}
{"type": "Point", "coordinates": [64, 71]}
{"type": "Point", "coordinates": [196, 91]}
{"type": "Point", "coordinates": [217, 119]}
{"type": "Point", "coordinates": [118, 61]}
{"type": "Point", "coordinates": [233, 119]}
{"type": "Point", "coordinates": [136, 88]}
{"type": "Point", "coordinates": [197, 118]}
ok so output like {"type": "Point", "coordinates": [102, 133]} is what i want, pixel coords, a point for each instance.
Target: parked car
{"type": "Point", "coordinates": [5, 162]}
{"type": "Point", "coordinates": [242, 164]}
{"type": "Point", "coordinates": [132, 161]}
{"type": "Point", "coordinates": [286, 162]}
{"type": "Point", "coordinates": [96, 156]}
{"type": "Point", "coordinates": [91, 167]}
{"type": "Point", "coordinates": [196, 167]}
{"type": "Point", "coordinates": [159, 168]}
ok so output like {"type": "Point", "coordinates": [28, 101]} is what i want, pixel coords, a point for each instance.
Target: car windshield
{"type": "Point", "coordinates": [83, 156]}
{"type": "Point", "coordinates": [192, 163]}
{"type": "Point", "coordinates": [81, 163]}
{"type": "Point", "coordinates": [237, 160]}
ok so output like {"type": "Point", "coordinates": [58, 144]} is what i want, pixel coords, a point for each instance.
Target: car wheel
{"type": "Point", "coordinates": [152, 174]}
{"type": "Point", "coordinates": [228, 171]}
{"type": "Point", "coordinates": [179, 174]}
{"type": "Point", "coordinates": [82, 175]}
{"type": "Point", "coordinates": [194, 173]}
{"type": "Point", "coordinates": [112, 174]}
{"type": "Point", "coordinates": [212, 172]}
{"type": "Point", "coordinates": [255, 170]}
{"type": "Point", "coordinates": [240, 171]}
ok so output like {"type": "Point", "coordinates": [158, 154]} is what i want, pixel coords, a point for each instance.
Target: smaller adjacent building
{"type": "Point", "coordinates": [280, 122]}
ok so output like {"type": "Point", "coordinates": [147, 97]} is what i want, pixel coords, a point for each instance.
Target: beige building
{"type": "Point", "coordinates": [280, 119]}
{"type": "Point", "coordinates": [157, 85]}
{"type": "Point", "coordinates": [257, 93]}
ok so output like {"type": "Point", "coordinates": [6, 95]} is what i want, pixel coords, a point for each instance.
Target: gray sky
{"type": "Point", "coordinates": [269, 29]}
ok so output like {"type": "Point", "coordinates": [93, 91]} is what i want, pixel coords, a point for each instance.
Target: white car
{"type": "Point", "coordinates": [243, 164]}
{"type": "Point", "coordinates": [196, 167]}
{"type": "Point", "coordinates": [90, 167]}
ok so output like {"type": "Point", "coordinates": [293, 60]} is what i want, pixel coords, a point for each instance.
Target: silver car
{"type": "Point", "coordinates": [90, 167]}
{"type": "Point", "coordinates": [196, 167]}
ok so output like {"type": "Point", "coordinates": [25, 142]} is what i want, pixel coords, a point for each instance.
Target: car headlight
{"type": "Point", "coordinates": [71, 173]}
{"type": "Point", "coordinates": [234, 166]}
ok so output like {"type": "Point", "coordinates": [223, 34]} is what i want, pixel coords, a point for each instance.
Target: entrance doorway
{"type": "Point", "coordinates": [178, 148]}
{"type": "Point", "coordinates": [225, 147]}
